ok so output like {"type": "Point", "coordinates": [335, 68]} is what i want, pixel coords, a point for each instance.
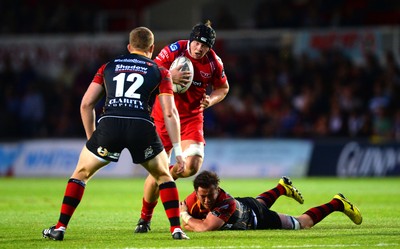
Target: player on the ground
{"type": "Point", "coordinates": [129, 82]}
{"type": "Point", "coordinates": [210, 208]}
{"type": "Point", "coordinates": [208, 72]}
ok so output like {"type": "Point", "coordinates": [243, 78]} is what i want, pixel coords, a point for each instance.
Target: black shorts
{"type": "Point", "coordinates": [266, 218]}
{"type": "Point", "coordinates": [113, 134]}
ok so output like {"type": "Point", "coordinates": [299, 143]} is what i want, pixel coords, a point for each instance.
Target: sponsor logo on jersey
{"type": "Point", "coordinates": [126, 102]}
{"type": "Point", "coordinates": [164, 54]}
{"type": "Point", "coordinates": [196, 83]}
{"type": "Point", "coordinates": [205, 75]}
{"type": "Point", "coordinates": [174, 46]}
{"type": "Point", "coordinates": [119, 68]}
{"type": "Point", "coordinates": [130, 61]}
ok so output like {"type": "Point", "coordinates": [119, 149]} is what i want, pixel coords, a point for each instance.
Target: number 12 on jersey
{"type": "Point", "coordinates": [135, 78]}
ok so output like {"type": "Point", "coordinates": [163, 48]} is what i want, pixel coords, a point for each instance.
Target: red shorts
{"type": "Point", "coordinates": [191, 129]}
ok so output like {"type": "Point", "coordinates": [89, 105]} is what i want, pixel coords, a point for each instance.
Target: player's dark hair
{"type": "Point", "coordinates": [206, 179]}
{"type": "Point", "coordinates": [203, 33]}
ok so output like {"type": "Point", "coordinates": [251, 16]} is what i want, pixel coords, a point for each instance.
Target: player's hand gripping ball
{"type": "Point", "coordinates": [186, 66]}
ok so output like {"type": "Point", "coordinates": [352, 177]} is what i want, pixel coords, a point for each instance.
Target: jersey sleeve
{"type": "Point", "coordinates": [166, 82]}
{"type": "Point", "coordinates": [99, 76]}
{"type": "Point", "coordinates": [164, 58]}
{"type": "Point", "coordinates": [191, 201]}
{"type": "Point", "coordinates": [169, 53]}
{"type": "Point", "coordinates": [225, 209]}
{"type": "Point", "coordinates": [219, 74]}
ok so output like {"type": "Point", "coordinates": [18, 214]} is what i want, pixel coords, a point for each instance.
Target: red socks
{"type": "Point", "coordinates": [170, 199]}
{"type": "Point", "coordinates": [147, 210]}
{"type": "Point", "coordinates": [320, 212]}
{"type": "Point", "coordinates": [272, 195]}
{"type": "Point", "coordinates": [72, 197]}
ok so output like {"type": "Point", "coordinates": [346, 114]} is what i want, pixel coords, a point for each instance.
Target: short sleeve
{"type": "Point", "coordinates": [99, 76]}
{"type": "Point", "coordinates": [166, 82]}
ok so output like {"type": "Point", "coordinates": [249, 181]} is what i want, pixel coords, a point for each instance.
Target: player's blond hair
{"type": "Point", "coordinates": [141, 38]}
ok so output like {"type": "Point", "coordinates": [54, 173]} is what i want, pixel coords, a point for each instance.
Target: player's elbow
{"type": "Point", "coordinates": [170, 113]}
{"type": "Point", "coordinates": [85, 108]}
{"type": "Point", "coordinates": [86, 105]}
{"type": "Point", "coordinates": [226, 88]}
{"type": "Point", "coordinates": [225, 91]}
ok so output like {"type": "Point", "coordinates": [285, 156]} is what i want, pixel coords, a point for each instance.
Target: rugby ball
{"type": "Point", "coordinates": [186, 66]}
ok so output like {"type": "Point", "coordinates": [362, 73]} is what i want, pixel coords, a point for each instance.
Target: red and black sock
{"type": "Point", "coordinates": [72, 197]}
{"type": "Point", "coordinates": [170, 199]}
{"type": "Point", "coordinates": [147, 210]}
{"type": "Point", "coordinates": [320, 212]}
{"type": "Point", "coordinates": [269, 197]}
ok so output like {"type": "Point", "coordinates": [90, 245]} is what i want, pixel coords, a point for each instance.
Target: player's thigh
{"type": "Point", "coordinates": [193, 164]}
{"type": "Point", "coordinates": [88, 164]}
{"type": "Point", "coordinates": [158, 167]}
{"type": "Point", "coordinates": [194, 154]}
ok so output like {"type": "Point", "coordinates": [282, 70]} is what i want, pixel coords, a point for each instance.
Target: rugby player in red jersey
{"type": "Point", "coordinates": [211, 208]}
{"type": "Point", "coordinates": [208, 72]}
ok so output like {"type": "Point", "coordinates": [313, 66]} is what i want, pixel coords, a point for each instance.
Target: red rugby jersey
{"type": "Point", "coordinates": [208, 71]}
{"type": "Point", "coordinates": [224, 208]}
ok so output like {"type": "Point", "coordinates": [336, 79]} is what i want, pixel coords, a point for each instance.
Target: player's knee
{"type": "Point", "coordinates": [82, 174]}
{"type": "Point", "coordinates": [289, 222]}
{"type": "Point", "coordinates": [305, 221]}
{"type": "Point", "coordinates": [193, 165]}
{"type": "Point", "coordinates": [192, 170]}
{"type": "Point", "coordinates": [194, 150]}
{"type": "Point", "coordinates": [187, 173]}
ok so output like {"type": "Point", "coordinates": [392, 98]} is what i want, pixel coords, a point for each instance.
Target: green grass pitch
{"type": "Point", "coordinates": [110, 209]}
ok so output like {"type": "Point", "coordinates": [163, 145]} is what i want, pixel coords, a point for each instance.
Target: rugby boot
{"type": "Point", "coordinates": [53, 233]}
{"type": "Point", "coordinates": [179, 234]}
{"type": "Point", "coordinates": [349, 209]}
{"type": "Point", "coordinates": [142, 226]}
{"type": "Point", "coordinates": [291, 191]}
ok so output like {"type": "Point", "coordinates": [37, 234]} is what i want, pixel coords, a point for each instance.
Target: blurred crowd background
{"type": "Point", "coordinates": [274, 93]}
{"type": "Point", "coordinates": [92, 16]}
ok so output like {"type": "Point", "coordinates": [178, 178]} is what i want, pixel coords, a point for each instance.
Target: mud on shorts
{"type": "Point", "coordinates": [113, 134]}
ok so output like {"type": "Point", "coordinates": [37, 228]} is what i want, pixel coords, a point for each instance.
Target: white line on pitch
{"type": "Point", "coordinates": [337, 245]}
{"type": "Point", "coordinates": [286, 246]}
{"type": "Point", "coordinates": [200, 247]}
